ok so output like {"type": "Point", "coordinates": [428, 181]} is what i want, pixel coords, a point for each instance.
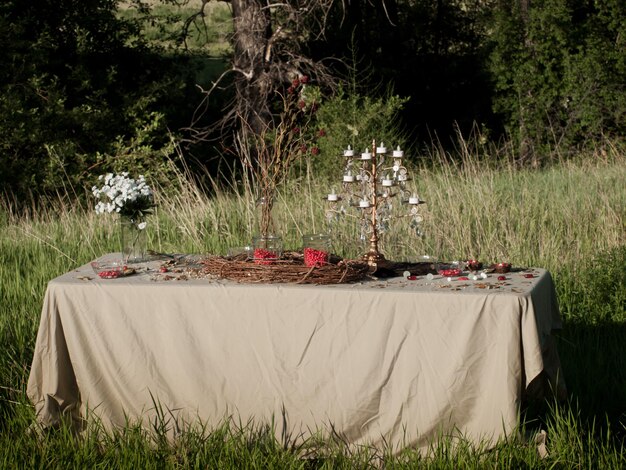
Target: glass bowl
{"type": "Point", "coordinates": [110, 269]}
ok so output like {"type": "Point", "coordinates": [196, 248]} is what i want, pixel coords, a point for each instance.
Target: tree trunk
{"type": "Point", "coordinates": [252, 31]}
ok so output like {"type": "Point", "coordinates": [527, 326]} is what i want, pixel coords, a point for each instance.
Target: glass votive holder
{"type": "Point", "coordinates": [316, 249]}
{"type": "Point", "coordinates": [267, 249]}
{"type": "Point", "coordinates": [240, 252]}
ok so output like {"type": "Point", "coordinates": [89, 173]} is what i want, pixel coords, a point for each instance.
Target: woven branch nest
{"type": "Point", "coordinates": [289, 269]}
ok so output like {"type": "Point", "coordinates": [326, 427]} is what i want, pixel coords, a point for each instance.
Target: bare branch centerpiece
{"type": "Point", "coordinates": [269, 155]}
{"type": "Point", "coordinates": [375, 185]}
{"type": "Point", "coordinates": [133, 200]}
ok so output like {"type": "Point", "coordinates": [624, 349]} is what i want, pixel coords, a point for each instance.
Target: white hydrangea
{"type": "Point", "coordinates": [123, 195]}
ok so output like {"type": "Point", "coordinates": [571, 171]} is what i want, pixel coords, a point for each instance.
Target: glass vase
{"type": "Point", "coordinates": [316, 249]}
{"type": "Point", "coordinates": [133, 238]}
{"type": "Point", "coordinates": [267, 250]}
{"type": "Point", "coordinates": [264, 218]}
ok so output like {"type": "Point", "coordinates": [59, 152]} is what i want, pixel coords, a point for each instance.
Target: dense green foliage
{"type": "Point", "coordinates": [559, 69]}
{"type": "Point", "coordinates": [544, 74]}
{"type": "Point", "coordinates": [87, 87]}
{"type": "Point", "coordinates": [80, 92]}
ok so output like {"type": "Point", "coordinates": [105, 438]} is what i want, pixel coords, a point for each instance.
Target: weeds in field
{"type": "Point", "coordinates": [569, 219]}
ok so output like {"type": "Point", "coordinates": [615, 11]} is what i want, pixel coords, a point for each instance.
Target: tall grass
{"type": "Point", "coordinates": [568, 218]}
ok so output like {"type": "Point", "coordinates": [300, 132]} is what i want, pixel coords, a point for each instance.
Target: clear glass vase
{"type": "Point", "coordinates": [267, 249]}
{"type": "Point", "coordinates": [133, 238]}
{"type": "Point", "coordinates": [316, 249]}
{"type": "Point", "coordinates": [264, 219]}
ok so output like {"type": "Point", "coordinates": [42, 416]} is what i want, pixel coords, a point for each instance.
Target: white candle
{"type": "Point", "coordinates": [366, 155]}
{"type": "Point", "coordinates": [414, 199]}
{"type": "Point", "coordinates": [398, 153]}
{"type": "Point", "coordinates": [348, 152]}
{"type": "Point", "coordinates": [387, 181]}
{"type": "Point", "coordinates": [348, 178]}
{"type": "Point", "coordinates": [382, 149]}
{"type": "Point", "coordinates": [364, 203]}
{"type": "Point", "coordinates": [333, 197]}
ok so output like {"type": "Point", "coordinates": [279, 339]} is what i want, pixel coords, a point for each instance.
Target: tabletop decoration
{"type": "Point", "coordinates": [269, 152]}
{"type": "Point", "coordinates": [111, 269]}
{"type": "Point", "coordinates": [473, 265]}
{"type": "Point", "coordinates": [133, 200]}
{"type": "Point", "coordinates": [316, 249]}
{"type": "Point", "coordinates": [501, 268]}
{"type": "Point", "coordinates": [290, 268]}
{"type": "Point", "coordinates": [371, 183]}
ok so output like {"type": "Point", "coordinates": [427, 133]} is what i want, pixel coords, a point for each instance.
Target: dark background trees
{"type": "Point", "coordinates": [82, 89]}
{"type": "Point", "coordinates": [79, 88]}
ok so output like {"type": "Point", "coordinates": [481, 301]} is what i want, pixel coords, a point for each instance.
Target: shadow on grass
{"type": "Point", "coordinates": [593, 358]}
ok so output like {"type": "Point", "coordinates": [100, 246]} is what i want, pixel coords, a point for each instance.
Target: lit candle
{"type": "Point", "coordinates": [387, 181]}
{"type": "Point", "coordinates": [414, 199]}
{"type": "Point", "coordinates": [348, 152]}
{"type": "Point", "coordinates": [397, 153]}
{"type": "Point", "coordinates": [333, 196]}
{"type": "Point", "coordinates": [364, 203]}
{"type": "Point", "coordinates": [382, 149]}
{"type": "Point", "coordinates": [348, 177]}
{"type": "Point", "coordinates": [366, 155]}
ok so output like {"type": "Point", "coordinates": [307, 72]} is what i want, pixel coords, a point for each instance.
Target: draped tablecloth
{"type": "Point", "coordinates": [400, 362]}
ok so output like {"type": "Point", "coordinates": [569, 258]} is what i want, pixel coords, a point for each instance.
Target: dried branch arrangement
{"type": "Point", "coordinates": [269, 155]}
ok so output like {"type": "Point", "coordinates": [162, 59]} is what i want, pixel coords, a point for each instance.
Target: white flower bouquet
{"type": "Point", "coordinates": [132, 199]}
{"type": "Point", "coordinates": [126, 196]}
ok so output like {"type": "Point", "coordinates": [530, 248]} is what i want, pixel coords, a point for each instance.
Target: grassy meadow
{"type": "Point", "coordinates": [569, 218]}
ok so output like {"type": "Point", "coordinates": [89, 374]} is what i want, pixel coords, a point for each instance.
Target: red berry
{"type": "Point", "coordinates": [295, 83]}
{"type": "Point", "coordinates": [315, 150]}
{"type": "Point", "coordinates": [501, 278]}
{"type": "Point", "coordinates": [163, 269]}
{"type": "Point", "coordinates": [321, 133]}
{"type": "Point", "coordinates": [412, 278]}
{"type": "Point", "coordinates": [301, 104]}
{"type": "Point", "coordinates": [313, 257]}
{"type": "Point", "coordinates": [304, 79]}
{"type": "Point", "coordinates": [261, 254]}
{"type": "Point", "coordinates": [463, 278]}
{"type": "Point", "coordinates": [529, 275]}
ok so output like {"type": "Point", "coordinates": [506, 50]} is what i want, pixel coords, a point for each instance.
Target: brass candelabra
{"type": "Point", "coordinates": [371, 183]}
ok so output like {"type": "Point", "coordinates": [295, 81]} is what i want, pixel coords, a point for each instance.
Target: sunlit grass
{"type": "Point", "coordinates": [568, 218]}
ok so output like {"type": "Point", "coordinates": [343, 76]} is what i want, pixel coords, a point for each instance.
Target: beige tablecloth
{"type": "Point", "coordinates": [398, 361]}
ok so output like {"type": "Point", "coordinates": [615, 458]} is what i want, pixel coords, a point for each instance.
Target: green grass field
{"type": "Point", "coordinates": [569, 218]}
